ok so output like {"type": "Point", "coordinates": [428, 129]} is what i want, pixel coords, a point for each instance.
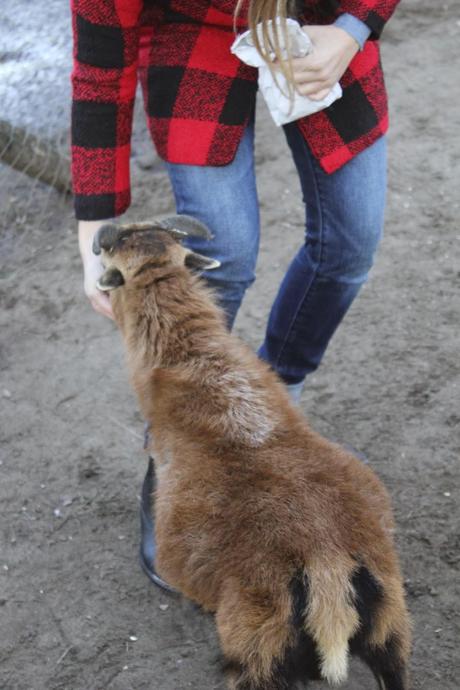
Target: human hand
{"type": "Point", "coordinates": [333, 50]}
{"type": "Point", "coordinates": [92, 267]}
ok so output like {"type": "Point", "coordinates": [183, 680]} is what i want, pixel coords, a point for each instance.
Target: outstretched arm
{"type": "Point", "coordinates": [104, 78]}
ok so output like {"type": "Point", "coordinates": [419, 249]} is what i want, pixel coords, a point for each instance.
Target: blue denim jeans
{"type": "Point", "coordinates": [344, 222]}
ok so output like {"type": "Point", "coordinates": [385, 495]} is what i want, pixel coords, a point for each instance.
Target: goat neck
{"type": "Point", "coordinates": [170, 320]}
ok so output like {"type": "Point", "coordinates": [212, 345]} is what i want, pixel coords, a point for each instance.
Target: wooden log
{"type": "Point", "coordinates": [36, 157]}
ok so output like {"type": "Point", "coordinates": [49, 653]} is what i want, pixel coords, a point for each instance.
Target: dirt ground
{"type": "Point", "coordinates": [76, 612]}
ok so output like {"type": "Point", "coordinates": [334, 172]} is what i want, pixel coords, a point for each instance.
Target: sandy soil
{"type": "Point", "coordinates": [76, 612]}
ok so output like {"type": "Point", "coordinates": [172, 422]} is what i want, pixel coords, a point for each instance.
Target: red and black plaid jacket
{"type": "Point", "coordinates": [198, 96]}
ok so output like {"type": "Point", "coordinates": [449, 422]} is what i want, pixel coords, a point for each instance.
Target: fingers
{"type": "Point", "coordinates": [315, 86]}
{"type": "Point", "coordinates": [316, 91]}
{"type": "Point", "coordinates": [101, 303]}
{"type": "Point", "coordinates": [307, 65]}
{"type": "Point", "coordinates": [319, 95]}
{"type": "Point", "coordinates": [312, 79]}
{"type": "Point", "coordinates": [315, 74]}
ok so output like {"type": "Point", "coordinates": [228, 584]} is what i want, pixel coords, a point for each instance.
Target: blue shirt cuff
{"type": "Point", "coordinates": [355, 27]}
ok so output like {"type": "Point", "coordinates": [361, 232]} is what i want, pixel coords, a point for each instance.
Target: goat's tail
{"type": "Point", "coordinates": [354, 613]}
{"type": "Point", "coordinates": [272, 641]}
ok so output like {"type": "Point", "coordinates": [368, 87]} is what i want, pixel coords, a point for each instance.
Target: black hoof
{"type": "Point", "coordinates": [147, 550]}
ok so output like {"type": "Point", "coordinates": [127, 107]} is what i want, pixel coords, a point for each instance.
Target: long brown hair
{"type": "Point", "coordinates": [262, 12]}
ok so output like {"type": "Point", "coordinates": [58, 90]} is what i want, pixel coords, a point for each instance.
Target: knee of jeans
{"type": "Point", "coordinates": [349, 256]}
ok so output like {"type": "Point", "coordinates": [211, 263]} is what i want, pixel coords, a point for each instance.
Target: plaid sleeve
{"type": "Point", "coordinates": [104, 77]}
{"type": "Point", "coordinates": [374, 13]}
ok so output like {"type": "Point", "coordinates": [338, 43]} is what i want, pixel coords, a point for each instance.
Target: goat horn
{"type": "Point", "coordinates": [186, 225]}
{"type": "Point", "coordinates": [105, 237]}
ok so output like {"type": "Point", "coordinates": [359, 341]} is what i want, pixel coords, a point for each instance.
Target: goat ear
{"type": "Point", "coordinates": [110, 280]}
{"type": "Point", "coordinates": [200, 262]}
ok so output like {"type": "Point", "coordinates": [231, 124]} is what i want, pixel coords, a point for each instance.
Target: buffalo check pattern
{"type": "Point", "coordinates": [198, 97]}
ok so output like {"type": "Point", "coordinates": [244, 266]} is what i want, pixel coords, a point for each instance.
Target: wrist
{"type": "Point", "coordinates": [348, 42]}
{"type": "Point", "coordinates": [353, 26]}
{"type": "Point", "coordinates": [86, 231]}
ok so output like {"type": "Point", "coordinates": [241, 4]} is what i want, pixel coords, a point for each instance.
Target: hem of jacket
{"type": "Point", "coordinates": [161, 150]}
{"type": "Point", "coordinates": [329, 167]}
{"type": "Point", "coordinates": [325, 162]}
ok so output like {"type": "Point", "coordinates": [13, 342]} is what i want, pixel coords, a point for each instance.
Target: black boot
{"type": "Point", "coordinates": [148, 546]}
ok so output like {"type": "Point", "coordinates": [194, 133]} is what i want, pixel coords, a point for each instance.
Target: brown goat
{"type": "Point", "coordinates": [284, 535]}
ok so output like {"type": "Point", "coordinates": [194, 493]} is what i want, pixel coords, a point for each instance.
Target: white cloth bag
{"type": "Point", "coordinates": [282, 108]}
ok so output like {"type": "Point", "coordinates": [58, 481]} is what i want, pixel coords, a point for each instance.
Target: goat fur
{"type": "Point", "coordinates": [285, 536]}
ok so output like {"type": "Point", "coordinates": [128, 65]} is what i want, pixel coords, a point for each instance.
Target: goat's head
{"type": "Point", "coordinates": [132, 253]}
